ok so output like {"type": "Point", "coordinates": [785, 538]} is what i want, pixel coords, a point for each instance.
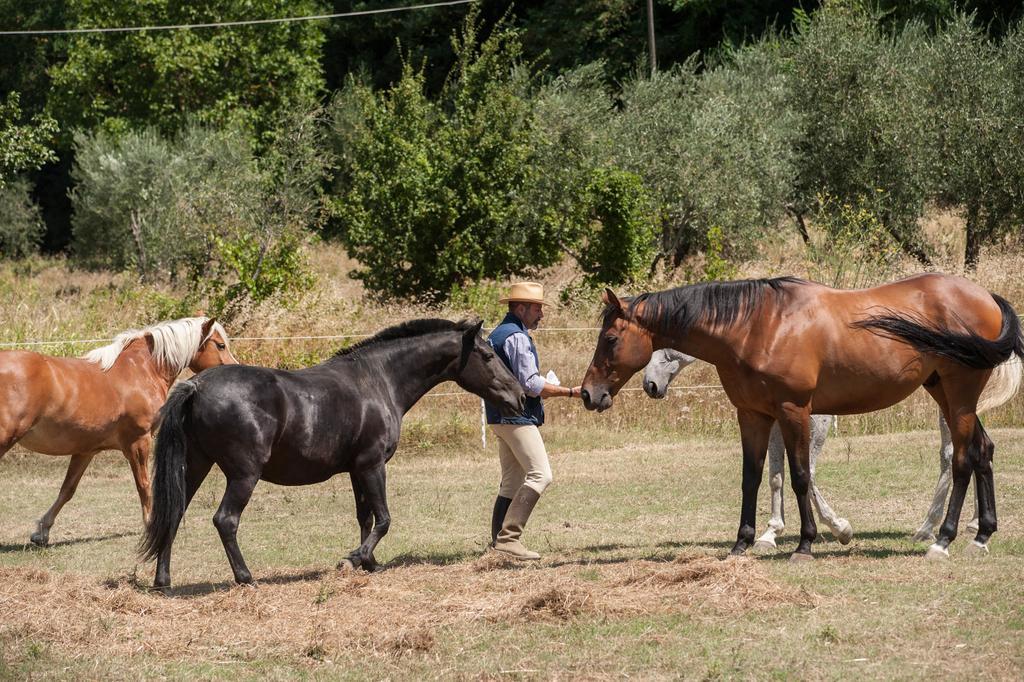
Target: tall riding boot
{"type": "Point", "coordinates": [518, 513]}
{"type": "Point", "coordinates": [498, 515]}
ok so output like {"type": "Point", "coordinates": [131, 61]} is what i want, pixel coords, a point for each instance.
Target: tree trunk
{"type": "Point", "coordinates": [973, 247]}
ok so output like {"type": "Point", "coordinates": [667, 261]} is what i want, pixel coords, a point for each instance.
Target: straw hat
{"type": "Point", "coordinates": [525, 292]}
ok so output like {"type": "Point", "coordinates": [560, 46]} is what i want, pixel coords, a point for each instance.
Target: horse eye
{"type": "Point", "coordinates": [611, 340]}
{"type": "Point", "coordinates": [220, 346]}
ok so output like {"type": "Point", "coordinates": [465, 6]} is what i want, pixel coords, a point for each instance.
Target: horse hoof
{"type": "Point", "coordinates": [346, 565]}
{"type": "Point", "coordinates": [801, 557]}
{"type": "Point", "coordinates": [843, 531]}
{"type": "Point", "coordinates": [924, 536]}
{"type": "Point", "coordinates": [764, 547]}
{"type": "Point", "coordinates": [937, 553]}
{"type": "Point", "coordinates": [972, 527]}
{"type": "Point", "coordinates": [40, 540]}
{"type": "Point", "coordinates": [976, 549]}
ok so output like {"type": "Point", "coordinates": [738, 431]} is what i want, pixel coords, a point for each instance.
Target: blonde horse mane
{"type": "Point", "coordinates": [174, 343]}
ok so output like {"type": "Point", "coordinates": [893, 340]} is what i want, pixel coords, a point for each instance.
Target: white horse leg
{"type": "Point", "coordinates": [841, 528]}
{"type": "Point", "coordinates": [927, 531]}
{"type": "Point", "coordinates": [776, 476]}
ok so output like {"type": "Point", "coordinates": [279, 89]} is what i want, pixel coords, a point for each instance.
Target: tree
{"type": "Point", "coordinates": [975, 101]}
{"type": "Point", "coordinates": [429, 193]}
{"type": "Point", "coordinates": [163, 79]}
{"type": "Point", "coordinates": [863, 138]}
{"type": "Point", "coordinates": [23, 145]}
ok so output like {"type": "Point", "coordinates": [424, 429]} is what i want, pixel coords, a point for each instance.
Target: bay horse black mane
{"type": "Point", "coordinates": [716, 303]}
{"type": "Point", "coordinates": [405, 330]}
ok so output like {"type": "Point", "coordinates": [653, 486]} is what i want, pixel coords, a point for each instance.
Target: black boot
{"type": "Point", "coordinates": [501, 505]}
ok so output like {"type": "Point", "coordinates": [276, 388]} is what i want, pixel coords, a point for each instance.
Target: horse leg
{"type": "Point", "coordinates": [959, 400]}
{"type": "Point", "coordinates": [984, 449]}
{"type": "Point", "coordinates": [137, 454]}
{"type": "Point", "coordinates": [754, 433]}
{"type": "Point", "coordinates": [794, 422]}
{"type": "Point", "coordinates": [373, 486]}
{"type": "Point", "coordinates": [776, 478]}
{"type": "Point", "coordinates": [926, 533]}
{"type": "Point", "coordinates": [841, 528]}
{"type": "Point", "coordinates": [236, 496]}
{"type": "Point", "coordinates": [364, 515]}
{"type": "Point", "coordinates": [196, 470]}
{"type": "Point", "coordinates": [76, 468]}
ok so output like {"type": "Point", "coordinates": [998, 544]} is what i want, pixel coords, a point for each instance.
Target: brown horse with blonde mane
{"type": "Point", "coordinates": [107, 400]}
{"type": "Point", "coordinates": [785, 348]}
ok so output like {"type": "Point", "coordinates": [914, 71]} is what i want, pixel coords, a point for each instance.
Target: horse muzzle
{"type": "Point", "coordinates": [513, 407]}
{"type": "Point", "coordinates": [600, 400]}
{"type": "Point", "coordinates": [652, 389]}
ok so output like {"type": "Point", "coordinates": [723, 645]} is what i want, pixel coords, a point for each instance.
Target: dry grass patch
{"type": "Point", "coordinates": [391, 613]}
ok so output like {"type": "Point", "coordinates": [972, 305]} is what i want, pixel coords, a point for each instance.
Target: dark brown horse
{"type": "Point", "coordinates": [106, 400]}
{"type": "Point", "coordinates": [785, 349]}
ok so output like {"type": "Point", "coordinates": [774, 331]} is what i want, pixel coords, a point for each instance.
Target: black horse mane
{"type": "Point", "coordinates": [406, 330]}
{"type": "Point", "coordinates": [715, 303]}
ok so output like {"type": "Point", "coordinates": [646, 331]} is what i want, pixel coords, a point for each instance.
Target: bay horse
{"type": "Point", "coordinates": [1004, 383]}
{"type": "Point", "coordinates": [785, 349]}
{"type": "Point", "coordinates": [303, 427]}
{"type": "Point", "coordinates": [106, 400]}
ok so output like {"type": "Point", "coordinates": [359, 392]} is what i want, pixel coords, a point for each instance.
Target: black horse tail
{"type": "Point", "coordinates": [967, 348]}
{"type": "Point", "coordinates": [169, 477]}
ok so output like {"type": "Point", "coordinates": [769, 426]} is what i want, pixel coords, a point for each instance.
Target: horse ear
{"type": "Point", "coordinates": [474, 325]}
{"type": "Point", "coordinates": [207, 327]}
{"type": "Point", "coordinates": [611, 299]}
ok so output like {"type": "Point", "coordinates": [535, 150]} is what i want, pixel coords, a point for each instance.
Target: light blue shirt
{"type": "Point", "coordinates": [524, 365]}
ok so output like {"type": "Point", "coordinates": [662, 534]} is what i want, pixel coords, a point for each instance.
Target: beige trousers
{"type": "Point", "coordinates": [524, 461]}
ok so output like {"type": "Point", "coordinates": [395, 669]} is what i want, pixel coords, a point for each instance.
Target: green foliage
{"type": "Point", "coordinates": [715, 148]}
{"type": "Point", "coordinates": [201, 205]}
{"type": "Point", "coordinates": [716, 266]}
{"type": "Point", "coordinates": [429, 194]}
{"type": "Point", "coordinates": [621, 247]}
{"type": "Point", "coordinates": [21, 226]}
{"type": "Point", "coordinates": [975, 102]}
{"type": "Point", "coordinates": [23, 146]}
{"type": "Point", "coordinates": [864, 123]}
{"type": "Point", "coordinates": [165, 79]}
{"type": "Point", "coordinates": [851, 248]}
{"type": "Point", "coordinates": [252, 269]}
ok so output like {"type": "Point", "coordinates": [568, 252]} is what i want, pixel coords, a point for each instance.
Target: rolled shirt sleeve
{"type": "Point", "coordinates": [524, 365]}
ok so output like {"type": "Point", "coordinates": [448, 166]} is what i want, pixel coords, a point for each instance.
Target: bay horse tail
{"type": "Point", "coordinates": [169, 478]}
{"type": "Point", "coordinates": [967, 348]}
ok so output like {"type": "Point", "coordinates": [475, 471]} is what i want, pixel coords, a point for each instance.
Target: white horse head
{"type": "Point", "coordinates": [665, 364]}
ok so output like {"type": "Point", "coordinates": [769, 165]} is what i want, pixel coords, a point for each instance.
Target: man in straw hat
{"type": "Point", "coordinates": [525, 471]}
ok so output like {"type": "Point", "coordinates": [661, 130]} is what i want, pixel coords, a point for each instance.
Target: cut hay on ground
{"type": "Point", "coordinates": [391, 613]}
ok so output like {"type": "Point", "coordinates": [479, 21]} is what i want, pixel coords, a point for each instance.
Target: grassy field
{"type": "Point", "coordinates": [631, 584]}
{"type": "Point", "coordinates": [644, 507]}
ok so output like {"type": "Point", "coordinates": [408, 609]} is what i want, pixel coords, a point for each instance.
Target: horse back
{"type": "Point", "coordinates": [286, 427]}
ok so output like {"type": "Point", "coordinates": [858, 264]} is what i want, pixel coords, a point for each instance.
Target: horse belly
{"type": "Point", "coordinates": [853, 399]}
{"type": "Point", "coordinates": [64, 439]}
{"type": "Point", "coordinates": [289, 468]}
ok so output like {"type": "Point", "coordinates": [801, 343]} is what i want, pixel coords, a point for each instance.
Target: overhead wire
{"type": "Point", "coordinates": [229, 24]}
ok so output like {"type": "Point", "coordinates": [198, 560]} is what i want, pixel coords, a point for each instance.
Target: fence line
{"type": "Point", "coordinates": [467, 394]}
{"type": "Point", "coordinates": [325, 337]}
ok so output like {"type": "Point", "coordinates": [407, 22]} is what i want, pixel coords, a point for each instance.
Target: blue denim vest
{"type": "Point", "coordinates": [533, 413]}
